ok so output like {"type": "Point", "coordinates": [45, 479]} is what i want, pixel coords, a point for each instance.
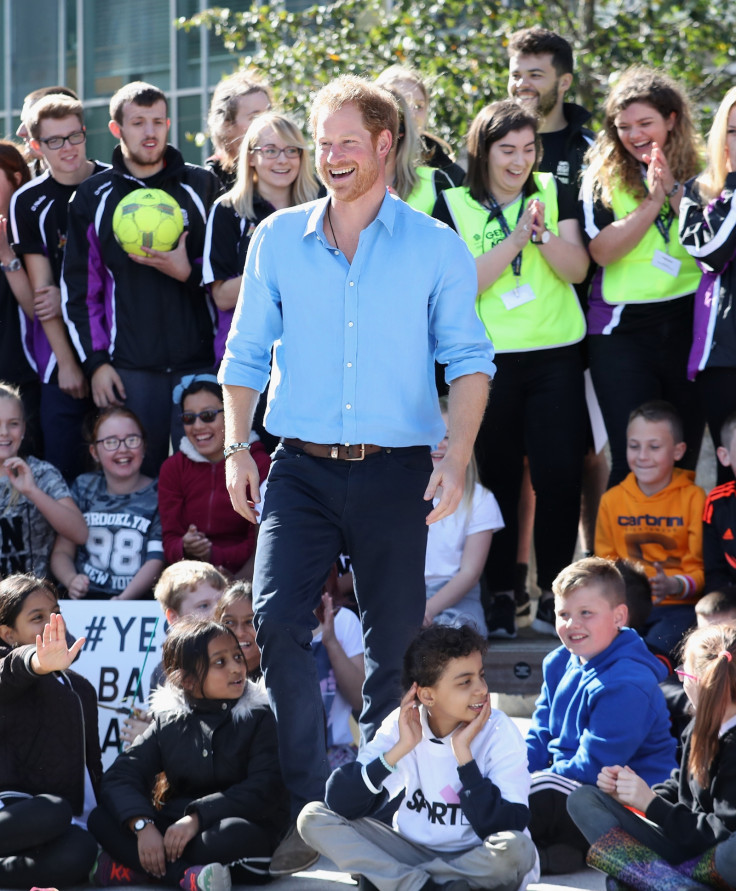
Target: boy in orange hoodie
{"type": "Point", "coordinates": [655, 517]}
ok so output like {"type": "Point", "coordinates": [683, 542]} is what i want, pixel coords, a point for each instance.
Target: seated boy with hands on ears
{"type": "Point", "coordinates": [461, 823]}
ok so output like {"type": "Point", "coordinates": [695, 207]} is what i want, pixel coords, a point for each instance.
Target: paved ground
{"type": "Point", "coordinates": [325, 877]}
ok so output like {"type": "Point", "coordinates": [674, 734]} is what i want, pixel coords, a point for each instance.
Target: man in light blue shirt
{"type": "Point", "coordinates": [360, 293]}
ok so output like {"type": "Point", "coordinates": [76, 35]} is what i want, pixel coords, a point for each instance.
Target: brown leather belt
{"type": "Point", "coordinates": [337, 452]}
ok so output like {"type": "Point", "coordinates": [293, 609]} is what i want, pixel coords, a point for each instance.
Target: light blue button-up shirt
{"type": "Point", "coordinates": [356, 342]}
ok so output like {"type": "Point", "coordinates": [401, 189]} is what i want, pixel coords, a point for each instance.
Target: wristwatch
{"type": "Point", "coordinates": [13, 266]}
{"type": "Point", "coordinates": [674, 190]}
{"type": "Point", "coordinates": [141, 823]}
{"type": "Point", "coordinates": [543, 238]}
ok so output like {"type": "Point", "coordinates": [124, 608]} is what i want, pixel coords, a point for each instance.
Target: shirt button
{"type": "Point", "coordinates": [348, 406]}
{"type": "Point", "coordinates": [350, 364]}
{"type": "Point", "coordinates": [350, 324]}
{"type": "Point", "coordinates": [352, 284]}
{"type": "Point", "coordinates": [205, 753]}
{"type": "Point", "coordinates": [336, 253]}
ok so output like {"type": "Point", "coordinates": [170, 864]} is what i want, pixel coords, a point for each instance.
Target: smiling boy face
{"type": "Point", "coordinates": [586, 621]}
{"type": "Point", "coordinates": [651, 452]}
{"type": "Point", "coordinates": [458, 696]}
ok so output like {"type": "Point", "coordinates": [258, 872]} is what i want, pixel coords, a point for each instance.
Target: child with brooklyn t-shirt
{"type": "Point", "coordinates": [461, 822]}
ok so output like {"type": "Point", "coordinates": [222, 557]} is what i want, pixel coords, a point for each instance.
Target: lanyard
{"type": "Point", "coordinates": [664, 217]}
{"type": "Point", "coordinates": [496, 213]}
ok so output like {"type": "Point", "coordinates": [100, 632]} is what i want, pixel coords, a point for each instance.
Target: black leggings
{"type": "Point", "coordinates": [632, 368]}
{"type": "Point", "coordinates": [536, 408]}
{"type": "Point", "coordinates": [40, 846]}
{"type": "Point", "coordinates": [242, 845]}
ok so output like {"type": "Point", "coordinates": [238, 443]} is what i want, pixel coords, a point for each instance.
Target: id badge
{"type": "Point", "coordinates": [666, 263]}
{"type": "Point", "coordinates": [518, 296]}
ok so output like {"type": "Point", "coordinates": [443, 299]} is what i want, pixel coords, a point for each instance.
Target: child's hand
{"type": "Point", "coordinates": [51, 649]}
{"type": "Point", "coordinates": [78, 586]}
{"type": "Point", "coordinates": [606, 780]}
{"type": "Point", "coordinates": [178, 836]}
{"type": "Point", "coordinates": [20, 475]}
{"type": "Point", "coordinates": [133, 726]}
{"type": "Point", "coordinates": [195, 544]}
{"type": "Point", "coordinates": [466, 733]}
{"type": "Point", "coordinates": [151, 851]}
{"type": "Point", "coordinates": [632, 790]}
{"type": "Point", "coordinates": [663, 585]}
{"type": "Point", "coordinates": [410, 725]}
{"type": "Point", "coordinates": [326, 617]}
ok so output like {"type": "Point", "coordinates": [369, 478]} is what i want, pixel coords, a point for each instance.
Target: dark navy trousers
{"type": "Point", "coordinates": [315, 509]}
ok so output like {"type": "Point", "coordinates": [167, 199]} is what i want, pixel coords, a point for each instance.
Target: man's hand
{"type": "Point", "coordinates": [240, 473]}
{"type": "Point", "coordinates": [47, 303]}
{"type": "Point", "coordinates": [448, 478]}
{"type": "Point", "coordinates": [107, 387]}
{"type": "Point", "coordinates": [172, 263]}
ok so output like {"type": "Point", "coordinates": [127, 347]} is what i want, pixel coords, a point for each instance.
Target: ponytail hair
{"type": "Point", "coordinates": [710, 651]}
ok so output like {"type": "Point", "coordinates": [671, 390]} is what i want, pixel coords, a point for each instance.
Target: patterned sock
{"type": "Point", "coordinates": [620, 855]}
{"type": "Point", "coordinates": [703, 869]}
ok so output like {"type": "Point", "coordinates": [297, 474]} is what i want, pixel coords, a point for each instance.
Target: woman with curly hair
{"type": "Point", "coordinates": [641, 300]}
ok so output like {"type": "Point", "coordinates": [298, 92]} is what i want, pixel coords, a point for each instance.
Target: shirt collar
{"type": "Point", "coordinates": [315, 221]}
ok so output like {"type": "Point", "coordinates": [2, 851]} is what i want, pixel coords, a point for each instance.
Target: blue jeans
{"type": "Point", "coordinates": [316, 508]}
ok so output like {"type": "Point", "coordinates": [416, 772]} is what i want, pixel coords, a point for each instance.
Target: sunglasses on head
{"type": "Point", "coordinates": [207, 416]}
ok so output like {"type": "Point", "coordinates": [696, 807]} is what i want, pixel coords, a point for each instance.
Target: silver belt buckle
{"type": "Point", "coordinates": [362, 452]}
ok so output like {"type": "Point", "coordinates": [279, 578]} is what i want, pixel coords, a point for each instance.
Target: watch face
{"type": "Point", "coordinates": [13, 266]}
{"type": "Point", "coordinates": [545, 236]}
{"type": "Point", "coordinates": [139, 824]}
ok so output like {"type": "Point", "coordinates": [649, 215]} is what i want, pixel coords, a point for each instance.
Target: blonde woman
{"type": "Point", "coordinates": [274, 172]}
{"type": "Point", "coordinates": [708, 234]}
{"type": "Point", "coordinates": [641, 299]}
{"type": "Point", "coordinates": [414, 182]}
{"type": "Point", "coordinates": [415, 90]}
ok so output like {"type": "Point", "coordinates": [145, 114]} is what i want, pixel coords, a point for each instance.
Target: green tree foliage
{"type": "Point", "coordinates": [460, 45]}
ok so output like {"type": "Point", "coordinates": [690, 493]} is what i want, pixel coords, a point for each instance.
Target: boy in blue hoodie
{"type": "Point", "coordinates": [600, 699]}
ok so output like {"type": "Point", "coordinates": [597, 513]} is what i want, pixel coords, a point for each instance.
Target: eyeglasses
{"type": "Point", "coordinates": [207, 416]}
{"type": "Point", "coordinates": [683, 674]}
{"type": "Point", "coordinates": [272, 152]}
{"type": "Point", "coordinates": [113, 443]}
{"type": "Point", "coordinates": [56, 142]}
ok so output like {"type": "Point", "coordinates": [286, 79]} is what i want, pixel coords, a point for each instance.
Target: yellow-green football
{"type": "Point", "coordinates": [147, 218]}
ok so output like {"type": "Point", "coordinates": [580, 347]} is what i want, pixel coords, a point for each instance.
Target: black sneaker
{"type": "Point", "coordinates": [544, 622]}
{"type": "Point", "coordinates": [502, 620]}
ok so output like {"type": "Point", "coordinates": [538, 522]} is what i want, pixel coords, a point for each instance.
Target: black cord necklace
{"type": "Point", "coordinates": [332, 231]}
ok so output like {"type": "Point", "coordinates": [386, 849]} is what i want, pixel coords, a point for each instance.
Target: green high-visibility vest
{"type": "Point", "coordinates": [554, 318]}
{"type": "Point", "coordinates": [633, 279]}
